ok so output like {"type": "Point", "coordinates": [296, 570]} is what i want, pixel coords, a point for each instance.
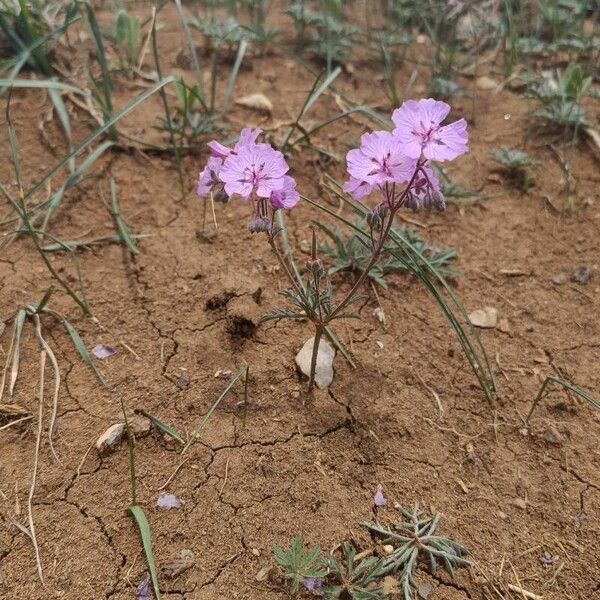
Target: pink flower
{"type": "Point", "coordinates": [419, 129]}
{"type": "Point", "coordinates": [379, 160]}
{"type": "Point", "coordinates": [357, 188]}
{"type": "Point", "coordinates": [254, 168]}
{"type": "Point", "coordinates": [287, 197]}
{"type": "Point", "coordinates": [209, 177]}
{"type": "Point", "coordinates": [248, 137]}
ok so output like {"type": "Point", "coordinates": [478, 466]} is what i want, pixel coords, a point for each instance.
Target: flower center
{"type": "Point", "coordinates": [383, 165]}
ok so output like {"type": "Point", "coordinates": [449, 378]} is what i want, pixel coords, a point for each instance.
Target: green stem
{"type": "Point", "coordinates": [377, 251]}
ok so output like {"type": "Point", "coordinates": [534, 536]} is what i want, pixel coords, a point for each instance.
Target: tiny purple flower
{"type": "Point", "coordinates": [209, 177]}
{"type": "Point", "coordinates": [167, 501]}
{"type": "Point", "coordinates": [313, 584]}
{"type": "Point", "coordinates": [419, 129]}
{"type": "Point", "coordinates": [102, 351]}
{"type": "Point", "coordinates": [379, 499]}
{"type": "Point", "coordinates": [143, 589]}
{"type": "Point", "coordinates": [379, 160]}
{"type": "Point", "coordinates": [287, 197]}
{"type": "Point", "coordinates": [255, 168]}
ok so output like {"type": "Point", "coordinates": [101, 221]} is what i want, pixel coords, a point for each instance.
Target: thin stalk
{"type": "Point", "coordinates": [163, 96]}
{"type": "Point", "coordinates": [378, 248]}
{"type": "Point", "coordinates": [313, 359]}
{"type": "Point", "coordinates": [299, 288]}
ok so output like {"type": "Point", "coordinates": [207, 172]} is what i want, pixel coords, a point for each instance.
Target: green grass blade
{"type": "Point", "coordinates": [313, 95]}
{"type": "Point", "coordinates": [233, 76]}
{"type": "Point", "coordinates": [63, 117]}
{"type": "Point", "coordinates": [320, 90]}
{"type": "Point", "coordinates": [19, 322]}
{"type": "Point", "coordinates": [107, 105]}
{"type": "Point", "coordinates": [144, 528]}
{"type": "Point", "coordinates": [79, 345]}
{"type": "Point", "coordinates": [191, 46]}
{"type": "Point", "coordinates": [46, 84]}
{"type": "Point", "coordinates": [120, 224]}
{"type": "Point", "coordinates": [194, 436]}
{"type": "Point", "coordinates": [568, 386]}
{"type": "Point", "coordinates": [163, 427]}
{"type": "Point", "coordinates": [73, 245]}
{"type": "Point", "coordinates": [96, 134]}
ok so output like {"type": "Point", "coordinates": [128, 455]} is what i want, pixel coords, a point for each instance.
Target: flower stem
{"type": "Point", "coordinates": [377, 250]}
{"type": "Point", "coordinates": [285, 267]}
{"type": "Point", "coordinates": [313, 359]}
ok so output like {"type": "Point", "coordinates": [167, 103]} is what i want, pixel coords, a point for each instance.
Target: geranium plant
{"type": "Point", "coordinates": [394, 167]}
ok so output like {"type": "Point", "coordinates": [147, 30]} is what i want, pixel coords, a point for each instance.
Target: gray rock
{"type": "Point", "coordinates": [324, 368]}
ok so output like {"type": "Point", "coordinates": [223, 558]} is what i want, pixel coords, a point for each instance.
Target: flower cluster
{"type": "Point", "coordinates": [396, 163]}
{"type": "Point", "coordinates": [250, 170]}
{"type": "Point", "coordinates": [403, 156]}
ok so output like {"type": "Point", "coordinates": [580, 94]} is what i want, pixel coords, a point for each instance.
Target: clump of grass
{"type": "Point", "coordinates": [323, 33]}
{"type": "Point", "coordinates": [516, 163]}
{"type": "Point", "coordinates": [560, 94]}
{"type": "Point", "coordinates": [129, 42]}
{"type": "Point", "coordinates": [349, 574]}
{"type": "Point", "coordinates": [31, 27]}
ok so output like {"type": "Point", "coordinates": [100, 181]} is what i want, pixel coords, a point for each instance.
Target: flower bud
{"type": "Point", "coordinates": [376, 217]}
{"type": "Point", "coordinates": [316, 268]}
{"type": "Point", "coordinates": [259, 225]}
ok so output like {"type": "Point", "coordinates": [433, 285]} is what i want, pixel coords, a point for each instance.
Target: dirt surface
{"type": "Point", "coordinates": [184, 309]}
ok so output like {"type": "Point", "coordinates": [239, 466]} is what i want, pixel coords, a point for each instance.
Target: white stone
{"type": "Point", "coordinates": [486, 318]}
{"type": "Point", "coordinates": [324, 367]}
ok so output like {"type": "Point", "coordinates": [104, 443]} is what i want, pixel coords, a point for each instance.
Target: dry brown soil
{"type": "Point", "coordinates": [183, 308]}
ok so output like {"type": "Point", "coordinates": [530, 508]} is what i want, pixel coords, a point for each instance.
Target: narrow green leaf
{"type": "Point", "coordinates": [163, 427]}
{"type": "Point", "coordinates": [568, 386]}
{"type": "Point", "coordinates": [79, 346]}
{"type": "Point", "coordinates": [144, 528]}
{"type": "Point", "coordinates": [194, 436]}
{"type": "Point", "coordinates": [120, 224]}
{"type": "Point", "coordinates": [234, 73]}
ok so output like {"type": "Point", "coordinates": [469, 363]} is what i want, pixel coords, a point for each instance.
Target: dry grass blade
{"type": "Point", "coordinates": [14, 372]}
{"type": "Point", "coordinates": [36, 459]}
{"type": "Point", "coordinates": [50, 353]}
{"type": "Point", "coordinates": [7, 363]}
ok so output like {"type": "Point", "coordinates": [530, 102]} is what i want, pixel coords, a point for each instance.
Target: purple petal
{"type": "Point", "coordinates": [312, 584]}
{"type": "Point", "coordinates": [143, 589]}
{"type": "Point", "coordinates": [379, 499]}
{"type": "Point", "coordinates": [102, 351]}
{"type": "Point", "coordinates": [168, 501]}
